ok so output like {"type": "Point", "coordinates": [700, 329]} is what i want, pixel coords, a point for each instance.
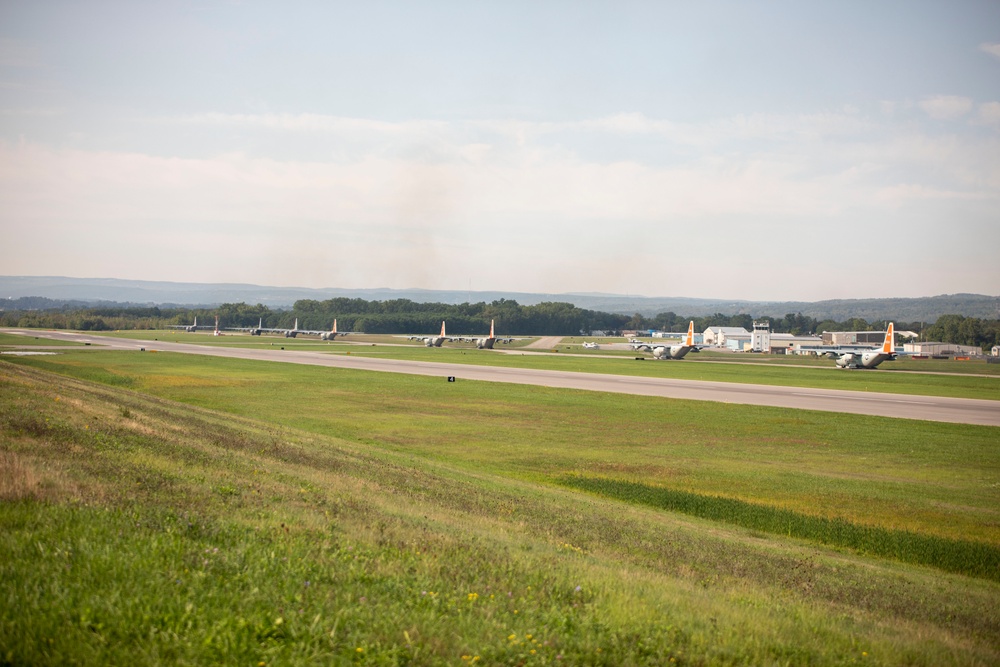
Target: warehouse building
{"type": "Point", "coordinates": [933, 349]}
{"type": "Point", "coordinates": [717, 336]}
{"type": "Point", "coordinates": [782, 343]}
{"type": "Point", "coordinates": [872, 338]}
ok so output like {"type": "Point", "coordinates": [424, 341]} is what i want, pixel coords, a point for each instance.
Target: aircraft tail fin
{"type": "Point", "coordinates": [442, 329]}
{"type": "Point", "coordinates": [334, 325]}
{"type": "Point", "coordinates": [690, 337]}
{"type": "Point", "coordinates": [492, 335]}
{"type": "Point", "coordinates": [296, 327]}
{"type": "Point", "coordinates": [887, 345]}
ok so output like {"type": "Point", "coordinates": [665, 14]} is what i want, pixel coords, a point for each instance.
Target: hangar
{"type": "Point", "coordinates": [934, 349]}
{"type": "Point", "coordinates": [872, 338]}
{"type": "Point", "coordinates": [718, 336]}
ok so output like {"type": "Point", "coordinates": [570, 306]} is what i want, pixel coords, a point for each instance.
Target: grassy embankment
{"type": "Point", "coordinates": [197, 509]}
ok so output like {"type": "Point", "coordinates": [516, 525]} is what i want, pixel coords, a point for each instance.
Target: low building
{"type": "Point", "coordinates": [783, 343]}
{"type": "Point", "coordinates": [934, 349]}
{"type": "Point", "coordinates": [872, 338]}
{"type": "Point", "coordinates": [717, 335]}
{"type": "Point", "coordinates": [678, 336]}
{"type": "Point", "coordinates": [739, 342]}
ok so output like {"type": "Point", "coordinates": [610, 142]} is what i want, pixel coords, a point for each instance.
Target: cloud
{"type": "Point", "coordinates": [308, 122]}
{"type": "Point", "coordinates": [946, 107]}
{"type": "Point", "coordinates": [523, 133]}
{"type": "Point", "coordinates": [992, 49]}
{"type": "Point", "coordinates": [897, 195]}
{"type": "Point", "coordinates": [428, 202]}
{"type": "Point", "coordinates": [989, 113]}
{"type": "Point", "coordinates": [33, 112]}
{"type": "Point", "coordinates": [19, 53]}
{"type": "Point", "coordinates": [706, 135]}
{"type": "Point", "coordinates": [435, 173]}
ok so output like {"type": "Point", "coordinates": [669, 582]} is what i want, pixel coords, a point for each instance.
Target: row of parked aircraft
{"type": "Point", "coordinates": [293, 332]}
{"type": "Point", "coordinates": [484, 343]}
{"type": "Point", "coordinates": [261, 329]}
{"type": "Point", "coordinates": [845, 356]}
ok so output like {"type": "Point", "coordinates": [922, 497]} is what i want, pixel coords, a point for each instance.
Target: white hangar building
{"type": "Point", "coordinates": [717, 335]}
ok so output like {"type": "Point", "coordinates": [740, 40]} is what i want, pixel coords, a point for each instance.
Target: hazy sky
{"type": "Point", "coordinates": [755, 150]}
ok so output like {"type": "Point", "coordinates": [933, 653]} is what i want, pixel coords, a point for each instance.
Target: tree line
{"type": "Point", "coordinates": [402, 316]}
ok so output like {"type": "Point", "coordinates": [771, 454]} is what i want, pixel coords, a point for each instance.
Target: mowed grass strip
{"type": "Point", "coordinates": [961, 556]}
{"type": "Point", "coordinates": [18, 340]}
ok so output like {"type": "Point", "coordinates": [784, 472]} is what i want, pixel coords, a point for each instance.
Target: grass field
{"type": "Point", "coordinates": [15, 340]}
{"type": "Point", "coordinates": [804, 373]}
{"type": "Point", "coordinates": [172, 508]}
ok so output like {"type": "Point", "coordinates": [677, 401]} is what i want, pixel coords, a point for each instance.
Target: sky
{"type": "Point", "coordinates": [772, 150]}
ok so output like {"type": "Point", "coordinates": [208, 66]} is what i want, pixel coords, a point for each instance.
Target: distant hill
{"type": "Point", "coordinates": [166, 294]}
{"type": "Point", "coordinates": [919, 309]}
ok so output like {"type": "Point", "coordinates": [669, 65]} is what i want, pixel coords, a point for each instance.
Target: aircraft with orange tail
{"type": "Point", "coordinates": [865, 357]}
{"type": "Point", "coordinates": [482, 342]}
{"type": "Point", "coordinates": [664, 351]}
{"type": "Point", "coordinates": [433, 341]}
{"type": "Point", "coordinates": [487, 342]}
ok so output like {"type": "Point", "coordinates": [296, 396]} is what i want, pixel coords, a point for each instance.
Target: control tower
{"type": "Point", "coordinates": [760, 339]}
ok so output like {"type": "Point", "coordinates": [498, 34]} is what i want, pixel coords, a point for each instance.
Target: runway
{"type": "Point", "coordinates": [903, 406]}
